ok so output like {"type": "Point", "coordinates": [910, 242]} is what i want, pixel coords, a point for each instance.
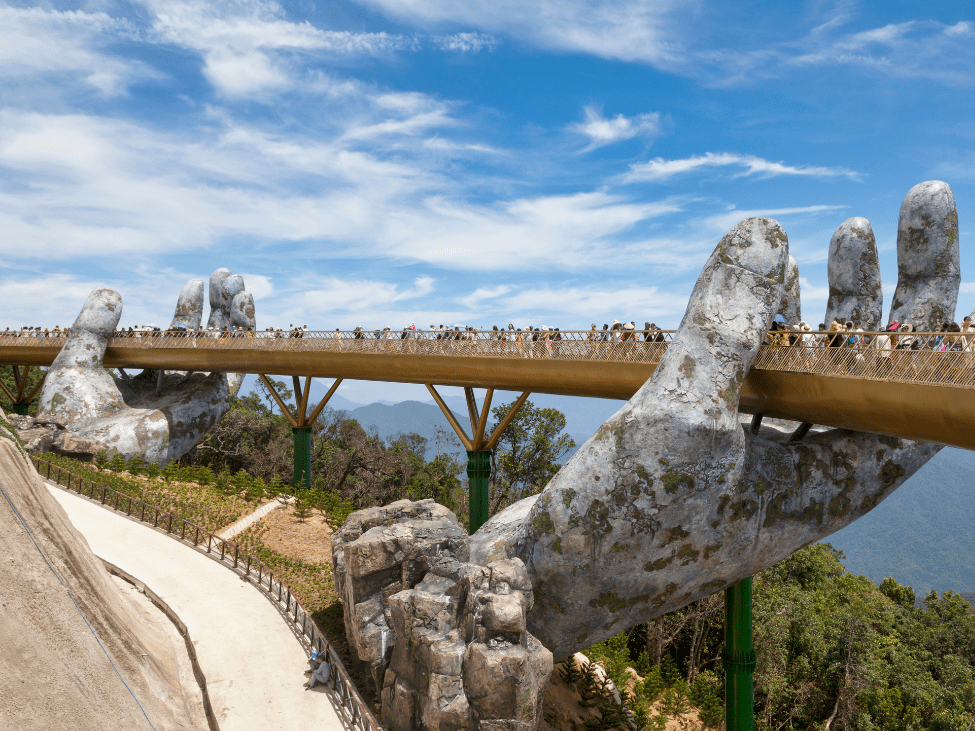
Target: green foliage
{"type": "Point", "coordinates": [901, 595]}
{"type": "Point", "coordinates": [527, 454]}
{"type": "Point", "coordinates": [204, 506]}
{"type": "Point", "coordinates": [303, 502]}
{"type": "Point", "coordinates": [117, 463]}
{"type": "Point", "coordinates": [336, 509]}
{"type": "Point", "coordinates": [135, 465]}
{"type": "Point", "coordinates": [101, 460]}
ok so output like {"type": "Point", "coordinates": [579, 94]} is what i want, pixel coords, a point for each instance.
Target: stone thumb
{"type": "Point", "coordinates": [77, 388]}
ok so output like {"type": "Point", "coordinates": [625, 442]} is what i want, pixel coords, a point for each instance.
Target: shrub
{"type": "Point", "coordinates": [136, 465]}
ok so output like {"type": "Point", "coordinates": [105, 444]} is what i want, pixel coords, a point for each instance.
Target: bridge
{"type": "Point", "coordinates": [924, 394]}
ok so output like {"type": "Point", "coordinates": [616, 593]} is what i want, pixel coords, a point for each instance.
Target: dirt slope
{"type": "Point", "coordinates": [53, 674]}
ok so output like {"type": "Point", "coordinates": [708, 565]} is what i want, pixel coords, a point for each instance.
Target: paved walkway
{"type": "Point", "coordinates": [252, 662]}
{"type": "Point", "coordinates": [248, 520]}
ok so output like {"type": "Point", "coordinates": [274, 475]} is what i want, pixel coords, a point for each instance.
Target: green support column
{"type": "Point", "coordinates": [20, 408]}
{"type": "Point", "coordinates": [739, 657]}
{"type": "Point", "coordinates": [478, 474]}
{"type": "Point", "coordinates": [302, 455]}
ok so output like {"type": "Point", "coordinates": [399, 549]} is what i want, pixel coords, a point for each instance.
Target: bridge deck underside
{"type": "Point", "coordinates": [922, 395]}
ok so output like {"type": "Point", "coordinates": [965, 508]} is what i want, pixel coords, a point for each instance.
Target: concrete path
{"type": "Point", "coordinates": [252, 661]}
{"type": "Point", "coordinates": [248, 520]}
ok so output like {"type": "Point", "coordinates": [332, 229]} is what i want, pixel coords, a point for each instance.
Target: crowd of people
{"type": "Point", "coordinates": [851, 349]}
{"type": "Point", "coordinates": [624, 339]}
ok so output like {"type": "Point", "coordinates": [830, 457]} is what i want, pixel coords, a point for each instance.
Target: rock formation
{"type": "Point", "coordinates": [444, 639]}
{"type": "Point", "coordinates": [158, 417]}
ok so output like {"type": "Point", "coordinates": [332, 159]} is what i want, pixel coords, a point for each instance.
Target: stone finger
{"type": "Point", "coordinates": [217, 320]}
{"type": "Point", "coordinates": [242, 313]}
{"type": "Point", "coordinates": [189, 307]}
{"type": "Point", "coordinates": [77, 388]}
{"type": "Point", "coordinates": [855, 291]}
{"type": "Point", "coordinates": [727, 318]}
{"type": "Point", "coordinates": [230, 288]}
{"type": "Point", "coordinates": [791, 307]}
{"type": "Point", "coordinates": [928, 267]}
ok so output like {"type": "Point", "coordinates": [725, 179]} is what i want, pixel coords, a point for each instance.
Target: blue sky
{"type": "Point", "coordinates": [392, 161]}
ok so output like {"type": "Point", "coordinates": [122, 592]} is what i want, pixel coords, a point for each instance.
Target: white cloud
{"type": "Point", "coordinates": [628, 30]}
{"type": "Point", "coordinates": [467, 42]}
{"type": "Point", "coordinates": [334, 295]}
{"type": "Point", "coordinates": [602, 131]}
{"type": "Point", "coordinates": [247, 47]}
{"type": "Point", "coordinates": [37, 43]}
{"type": "Point", "coordinates": [659, 169]}
{"type": "Point", "coordinates": [474, 300]}
{"type": "Point", "coordinates": [719, 223]}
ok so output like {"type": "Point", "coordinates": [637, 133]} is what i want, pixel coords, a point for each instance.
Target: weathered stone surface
{"type": "Point", "coordinates": [855, 291]}
{"type": "Point", "coordinates": [189, 307]}
{"type": "Point", "coordinates": [38, 439]}
{"type": "Point", "coordinates": [928, 266]}
{"type": "Point", "coordinates": [156, 419]}
{"type": "Point", "coordinates": [218, 303]}
{"type": "Point", "coordinates": [77, 389]}
{"type": "Point", "coordinates": [380, 552]}
{"type": "Point", "coordinates": [791, 307]}
{"type": "Point", "coordinates": [449, 630]}
{"type": "Point", "coordinates": [72, 446]}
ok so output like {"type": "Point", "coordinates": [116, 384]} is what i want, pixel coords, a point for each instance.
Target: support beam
{"type": "Point", "coordinates": [302, 462]}
{"type": "Point", "coordinates": [301, 424]}
{"type": "Point", "coordinates": [280, 403]}
{"type": "Point", "coordinates": [479, 478]}
{"type": "Point", "coordinates": [7, 393]}
{"type": "Point", "coordinates": [799, 433]}
{"type": "Point", "coordinates": [478, 449]}
{"type": "Point", "coordinates": [738, 657]}
{"type": "Point", "coordinates": [458, 429]}
{"type": "Point", "coordinates": [756, 423]}
{"type": "Point", "coordinates": [20, 401]}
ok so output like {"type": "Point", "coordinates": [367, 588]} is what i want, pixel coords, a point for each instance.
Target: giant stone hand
{"type": "Point", "coordinates": [158, 417]}
{"type": "Point", "coordinates": [673, 499]}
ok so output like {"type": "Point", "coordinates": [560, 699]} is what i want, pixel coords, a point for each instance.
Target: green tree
{"type": "Point", "coordinates": [528, 453]}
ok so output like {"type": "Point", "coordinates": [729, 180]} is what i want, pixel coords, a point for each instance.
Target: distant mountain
{"type": "Point", "coordinates": [404, 418]}
{"type": "Point", "coordinates": [924, 534]}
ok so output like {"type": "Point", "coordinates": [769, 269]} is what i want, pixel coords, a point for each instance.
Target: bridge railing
{"type": "Point", "coordinates": [230, 554]}
{"type": "Point", "coordinates": [930, 358]}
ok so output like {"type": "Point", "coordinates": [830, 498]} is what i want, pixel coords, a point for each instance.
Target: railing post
{"type": "Point", "coordinates": [739, 657]}
{"type": "Point", "coordinates": [479, 475]}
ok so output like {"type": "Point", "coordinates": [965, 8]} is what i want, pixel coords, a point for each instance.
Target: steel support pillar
{"type": "Point", "coordinates": [302, 436]}
{"type": "Point", "coordinates": [479, 477]}
{"type": "Point", "coordinates": [739, 657]}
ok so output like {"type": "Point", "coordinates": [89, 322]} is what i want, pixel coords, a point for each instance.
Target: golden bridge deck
{"type": "Point", "coordinates": [924, 393]}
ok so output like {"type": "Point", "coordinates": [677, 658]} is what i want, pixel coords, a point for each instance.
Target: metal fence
{"type": "Point", "coordinates": [354, 707]}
